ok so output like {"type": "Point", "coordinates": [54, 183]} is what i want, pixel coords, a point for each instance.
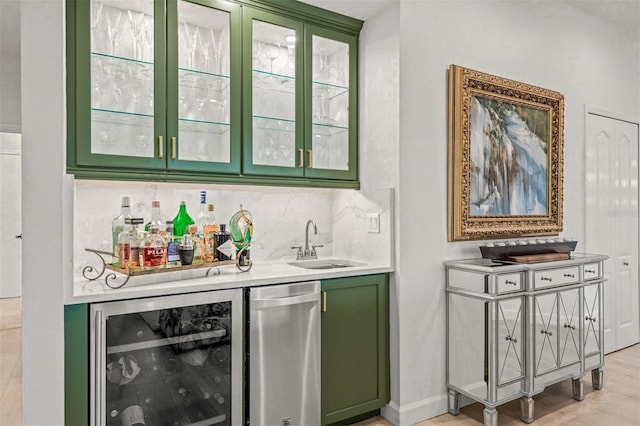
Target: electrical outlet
{"type": "Point", "coordinates": [373, 223]}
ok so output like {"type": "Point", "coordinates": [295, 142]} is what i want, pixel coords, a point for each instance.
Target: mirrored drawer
{"type": "Point", "coordinates": [591, 271]}
{"type": "Point", "coordinates": [509, 282]}
{"type": "Point", "coordinates": [555, 277]}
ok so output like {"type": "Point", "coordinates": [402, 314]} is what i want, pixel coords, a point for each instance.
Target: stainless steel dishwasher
{"type": "Point", "coordinates": [284, 355]}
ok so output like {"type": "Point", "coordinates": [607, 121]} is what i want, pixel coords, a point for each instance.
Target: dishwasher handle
{"type": "Point", "coordinates": [285, 301]}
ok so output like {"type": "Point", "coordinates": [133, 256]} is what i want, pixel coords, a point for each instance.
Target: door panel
{"type": "Point", "coordinates": [10, 216]}
{"type": "Point", "coordinates": [612, 221]}
{"type": "Point", "coordinates": [545, 336]}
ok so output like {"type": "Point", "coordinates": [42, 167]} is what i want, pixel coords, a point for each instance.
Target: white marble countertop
{"type": "Point", "coordinates": [190, 281]}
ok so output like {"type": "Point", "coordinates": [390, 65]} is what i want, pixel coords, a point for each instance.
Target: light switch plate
{"type": "Point", "coordinates": [373, 223]}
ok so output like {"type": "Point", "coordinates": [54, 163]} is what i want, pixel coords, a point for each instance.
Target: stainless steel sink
{"type": "Point", "coordinates": [324, 264]}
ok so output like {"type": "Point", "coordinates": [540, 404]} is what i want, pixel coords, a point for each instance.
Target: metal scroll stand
{"type": "Point", "coordinates": [110, 278]}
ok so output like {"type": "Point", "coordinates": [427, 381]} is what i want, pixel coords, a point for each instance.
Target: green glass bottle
{"type": "Point", "coordinates": [182, 221]}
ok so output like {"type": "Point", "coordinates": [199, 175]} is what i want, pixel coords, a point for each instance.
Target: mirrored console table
{"type": "Point", "coordinates": [515, 328]}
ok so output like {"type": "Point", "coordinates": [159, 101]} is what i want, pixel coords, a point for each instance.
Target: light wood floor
{"type": "Point", "coordinates": [10, 362]}
{"type": "Point", "coordinates": [618, 404]}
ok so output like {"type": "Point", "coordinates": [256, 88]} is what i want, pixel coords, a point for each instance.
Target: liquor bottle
{"type": "Point", "coordinates": [209, 230]}
{"type": "Point", "coordinates": [182, 221]}
{"type": "Point", "coordinates": [173, 245]}
{"type": "Point", "coordinates": [156, 217]}
{"type": "Point", "coordinates": [154, 250]}
{"type": "Point", "coordinates": [130, 243]}
{"type": "Point", "coordinates": [201, 219]}
{"type": "Point", "coordinates": [118, 225]}
{"type": "Point", "coordinates": [224, 247]}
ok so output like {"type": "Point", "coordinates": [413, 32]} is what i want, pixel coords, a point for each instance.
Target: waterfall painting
{"type": "Point", "coordinates": [505, 157]}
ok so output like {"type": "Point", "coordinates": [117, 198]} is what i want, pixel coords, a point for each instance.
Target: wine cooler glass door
{"type": "Point", "coordinates": [168, 361]}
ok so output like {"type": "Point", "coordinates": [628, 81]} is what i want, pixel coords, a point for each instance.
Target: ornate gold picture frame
{"type": "Point", "coordinates": [505, 157]}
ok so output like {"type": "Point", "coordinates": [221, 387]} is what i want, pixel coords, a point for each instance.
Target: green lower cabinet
{"type": "Point", "coordinates": [76, 365]}
{"type": "Point", "coordinates": [355, 347]}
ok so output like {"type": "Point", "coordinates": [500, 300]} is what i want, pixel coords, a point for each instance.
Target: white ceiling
{"type": "Point", "coordinates": [361, 9]}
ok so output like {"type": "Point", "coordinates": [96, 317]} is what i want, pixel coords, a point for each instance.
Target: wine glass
{"type": "Point", "coordinates": [96, 17]}
{"type": "Point", "coordinates": [272, 52]}
{"type": "Point", "coordinates": [136, 22]}
{"type": "Point", "coordinates": [113, 22]}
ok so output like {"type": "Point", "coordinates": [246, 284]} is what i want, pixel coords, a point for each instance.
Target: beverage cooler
{"type": "Point", "coordinates": [174, 360]}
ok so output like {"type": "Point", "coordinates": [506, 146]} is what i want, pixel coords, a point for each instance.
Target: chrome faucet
{"type": "Point", "coordinates": [308, 253]}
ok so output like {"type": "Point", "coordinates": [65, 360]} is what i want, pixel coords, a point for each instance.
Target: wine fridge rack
{"type": "Point", "coordinates": [115, 273]}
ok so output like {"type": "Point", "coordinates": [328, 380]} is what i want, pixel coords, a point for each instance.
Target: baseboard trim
{"type": "Point", "coordinates": [415, 412]}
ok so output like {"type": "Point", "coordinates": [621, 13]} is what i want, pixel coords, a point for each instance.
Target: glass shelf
{"type": "Point", "coordinates": [201, 126]}
{"type": "Point", "coordinates": [117, 117]}
{"type": "Point", "coordinates": [322, 129]}
{"type": "Point", "coordinates": [328, 90]}
{"type": "Point", "coordinates": [273, 124]}
{"type": "Point", "coordinates": [120, 58]}
{"type": "Point", "coordinates": [188, 70]}
{"type": "Point", "coordinates": [275, 82]}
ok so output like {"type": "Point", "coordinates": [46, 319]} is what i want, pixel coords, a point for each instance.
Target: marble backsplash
{"type": "Point", "coordinates": [279, 216]}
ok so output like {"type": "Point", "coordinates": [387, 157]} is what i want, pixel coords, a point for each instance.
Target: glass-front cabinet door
{"type": "Point", "coordinates": [173, 360]}
{"type": "Point", "coordinates": [331, 78]}
{"type": "Point", "coordinates": [118, 99]}
{"type": "Point", "coordinates": [273, 113]}
{"type": "Point", "coordinates": [159, 93]}
{"type": "Point", "coordinates": [202, 95]}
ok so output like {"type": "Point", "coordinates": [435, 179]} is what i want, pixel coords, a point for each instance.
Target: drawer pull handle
{"type": "Point", "coordinates": [160, 147]}
{"type": "Point", "coordinates": [512, 339]}
{"type": "Point", "coordinates": [570, 275]}
{"type": "Point", "coordinates": [625, 263]}
{"type": "Point", "coordinates": [310, 163]}
{"type": "Point", "coordinates": [545, 279]}
{"type": "Point", "coordinates": [300, 157]}
{"type": "Point", "coordinates": [548, 333]}
{"type": "Point", "coordinates": [173, 148]}
{"type": "Point", "coordinates": [590, 271]}
{"type": "Point", "coordinates": [323, 306]}
{"type": "Point", "coordinates": [592, 319]}
{"type": "Point", "coordinates": [571, 326]}
{"type": "Point", "coordinates": [511, 282]}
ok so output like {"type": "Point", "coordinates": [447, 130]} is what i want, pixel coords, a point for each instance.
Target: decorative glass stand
{"type": "Point", "coordinates": [110, 278]}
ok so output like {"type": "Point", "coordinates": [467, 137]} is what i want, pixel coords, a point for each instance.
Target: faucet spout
{"type": "Point", "coordinates": [307, 251]}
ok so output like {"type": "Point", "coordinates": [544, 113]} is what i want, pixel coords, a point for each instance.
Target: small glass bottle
{"type": "Point", "coordinates": [202, 217]}
{"type": "Point", "coordinates": [154, 250]}
{"type": "Point", "coordinates": [156, 217]}
{"type": "Point", "coordinates": [182, 221]}
{"type": "Point", "coordinates": [224, 247]}
{"type": "Point", "coordinates": [173, 245]}
{"type": "Point", "coordinates": [118, 225]}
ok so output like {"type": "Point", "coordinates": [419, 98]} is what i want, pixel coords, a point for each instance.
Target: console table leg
{"type": "Point", "coordinates": [597, 378]}
{"type": "Point", "coordinates": [490, 416]}
{"type": "Point", "coordinates": [578, 389]}
{"type": "Point", "coordinates": [527, 406]}
{"type": "Point", "coordinates": [454, 402]}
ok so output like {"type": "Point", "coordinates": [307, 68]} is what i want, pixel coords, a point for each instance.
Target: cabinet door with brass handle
{"type": "Point", "coordinates": [354, 346]}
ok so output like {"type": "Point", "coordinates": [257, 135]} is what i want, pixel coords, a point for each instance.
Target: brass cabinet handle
{"type": "Point", "coordinates": [300, 157]}
{"type": "Point", "coordinates": [160, 147]}
{"type": "Point", "coordinates": [310, 164]}
{"type": "Point", "coordinates": [323, 308]}
{"type": "Point", "coordinates": [173, 148]}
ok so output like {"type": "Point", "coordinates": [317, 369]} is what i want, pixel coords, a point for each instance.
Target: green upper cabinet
{"type": "Point", "coordinates": [300, 114]}
{"type": "Point", "coordinates": [242, 91]}
{"type": "Point", "coordinates": [153, 87]}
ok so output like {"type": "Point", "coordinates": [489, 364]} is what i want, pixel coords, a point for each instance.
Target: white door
{"type": "Point", "coordinates": [612, 220]}
{"type": "Point", "coordinates": [10, 215]}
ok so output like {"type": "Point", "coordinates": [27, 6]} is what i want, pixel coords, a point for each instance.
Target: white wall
{"type": "Point", "coordinates": [548, 44]}
{"type": "Point", "coordinates": [46, 260]}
